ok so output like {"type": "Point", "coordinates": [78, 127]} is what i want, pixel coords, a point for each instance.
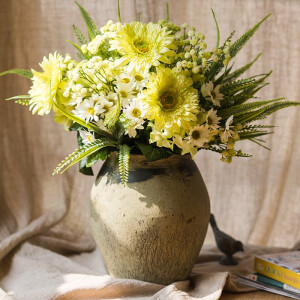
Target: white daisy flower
{"type": "Point", "coordinates": [123, 78]}
{"type": "Point", "coordinates": [139, 80]}
{"type": "Point", "coordinates": [198, 135]}
{"type": "Point", "coordinates": [135, 111]}
{"type": "Point", "coordinates": [212, 120]}
{"type": "Point", "coordinates": [212, 94]}
{"type": "Point", "coordinates": [88, 110]}
{"type": "Point", "coordinates": [86, 136]}
{"type": "Point", "coordinates": [227, 133]}
{"type": "Point", "coordinates": [125, 92]}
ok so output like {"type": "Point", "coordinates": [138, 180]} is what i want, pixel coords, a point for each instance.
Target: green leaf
{"type": "Point", "coordinates": [124, 155]}
{"type": "Point", "coordinates": [79, 35]}
{"type": "Point", "coordinates": [83, 169]}
{"type": "Point", "coordinates": [21, 72]}
{"type": "Point", "coordinates": [113, 116]}
{"type": "Point", "coordinates": [79, 50]}
{"type": "Point", "coordinates": [238, 45]}
{"type": "Point", "coordinates": [218, 31]}
{"type": "Point", "coordinates": [153, 153]}
{"type": "Point", "coordinates": [101, 154]}
{"type": "Point", "coordinates": [234, 75]}
{"type": "Point", "coordinates": [91, 26]}
{"type": "Point", "coordinates": [83, 152]}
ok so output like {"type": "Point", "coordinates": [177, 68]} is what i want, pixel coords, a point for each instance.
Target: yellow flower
{"type": "Point", "coordinates": [40, 90]}
{"type": "Point", "coordinates": [142, 45]}
{"type": "Point", "coordinates": [171, 100]}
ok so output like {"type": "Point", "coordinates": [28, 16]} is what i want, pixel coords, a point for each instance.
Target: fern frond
{"type": "Point", "coordinates": [239, 109]}
{"type": "Point", "coordinates": [90, 24]}
{"type": "Point", "coordinates": [113, 116]}
{"type": "Point", "coordinates": [256, 126]}
{"type": "Point", "coordinates": [265, 111]}
{"type": "Point", "coordinates": [233, 87]}
{"type": "Point", "coordinates": [237, 73]}
{"type": "Point", "coordinates": [21, 72]}
{"type": "Point", "coordinates": [124, 155]}
{"type": "Point", "coordinates": [83, 152]}
{"type": "Point", "coordinates": [238, 45]}
{"type": "Point", "coordinates": [80, 37]}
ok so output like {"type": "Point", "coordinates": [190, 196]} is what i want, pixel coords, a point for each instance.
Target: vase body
{"type": "Point", "coordinates": [152, 229]}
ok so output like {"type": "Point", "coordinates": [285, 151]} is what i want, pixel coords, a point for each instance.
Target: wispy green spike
{"type": "Point", "coordinates": [119, 13]}
{"type": "Point", "coordinates": [218, 30]}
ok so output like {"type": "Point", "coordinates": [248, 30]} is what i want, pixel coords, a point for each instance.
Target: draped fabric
{"type": "Point", "coordinates": [254, 199]}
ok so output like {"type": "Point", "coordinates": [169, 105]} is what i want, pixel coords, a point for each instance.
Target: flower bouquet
{"type": "Point", "coordinates": [152, 88]}
{"type": "Point", "coordinates": [154, 91]}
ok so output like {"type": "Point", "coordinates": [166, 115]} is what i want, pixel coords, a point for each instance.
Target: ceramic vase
{"type": "Point", "coordinates": [152, 229]}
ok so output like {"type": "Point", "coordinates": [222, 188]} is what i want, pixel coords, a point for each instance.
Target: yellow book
{"type": "Point", "coordinates": [284, 267]}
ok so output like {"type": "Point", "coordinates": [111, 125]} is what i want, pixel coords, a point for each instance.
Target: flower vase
{"type": "Point", "coordinates": [153, 228]}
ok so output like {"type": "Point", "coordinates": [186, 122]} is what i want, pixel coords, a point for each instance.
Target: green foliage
{"type": "Point", "coordinates": [21, 72]}
{"type": "Point", "coordinates": [240, 109]}
{"type": "Point", "coordinates": [83, 169]}
{"type": "Point", "coordinates": [152, 152]}
{"type": "Point", "coordinates": [264, 111]}
{"type": "Point", "coordinates": [216, 67]}
{"type": "Point", "coordinates": [83, 152]}
{"type": "Point", "coordinates": [84, 56]}
{"type": "Point", "coordinates": [101, 154]}
{"type": "Point", "coordinates": [80, 37]}
{"type": "Point", "coordinates": [237, 73]}
{"type": "Point", "coordinates": [238, 45]}
{"type": "Point", "coordinates": [124, 155]}
{"type": "Point", "coordinates": [90, 24]}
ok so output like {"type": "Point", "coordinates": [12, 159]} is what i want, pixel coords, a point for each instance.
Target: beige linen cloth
{"type": "Point", "coordinates": [45, 244]}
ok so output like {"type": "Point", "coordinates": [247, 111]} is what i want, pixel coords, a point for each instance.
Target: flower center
{"type": "Point", "coordinates": [213, 94]}
{"type": "Point", "coordinates": [136, 112]}
{"type": "Point", "coordinates": [106, 108]}
{"type": "Point", "coordinates": [168, 100]}
{"type": "Point", "coordinates": [125, 80]}
{"type": "Point", "coordinates": [123, 94]}
{"type": "Point", "coordinates": [138, 77]}
{"type": "Point", "coordinates": [141, 46]}
{"type": "Point", "coordinates": [195, 135]}
{"type": "Point", "coordinates": [209, 121]}
{"type": "Point", "coordinates": [91, 110]}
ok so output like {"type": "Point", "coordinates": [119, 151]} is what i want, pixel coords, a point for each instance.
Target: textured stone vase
{"type": "Point", "coordinates": [152, 229]}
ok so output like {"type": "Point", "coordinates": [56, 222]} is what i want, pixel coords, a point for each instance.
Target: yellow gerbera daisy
{"type": "Point", "coordinates": [40, 90]}
{"type": "Point", "coordinates": [172, 101]}
{"type": "Point", "coordinates": [143, 45]}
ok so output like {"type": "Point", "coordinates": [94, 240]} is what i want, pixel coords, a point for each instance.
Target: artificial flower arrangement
{"type": "Point", "coordinates": [150, 88]}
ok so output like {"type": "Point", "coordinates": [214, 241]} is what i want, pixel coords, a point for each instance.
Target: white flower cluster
{"type": "Point", "coordinates": [95, 86]}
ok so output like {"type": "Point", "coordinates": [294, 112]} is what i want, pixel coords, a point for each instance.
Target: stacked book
{"type": "Point", "coordinates": [278, 273]}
